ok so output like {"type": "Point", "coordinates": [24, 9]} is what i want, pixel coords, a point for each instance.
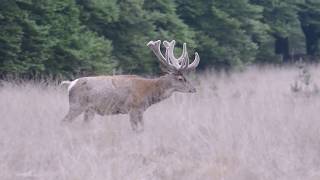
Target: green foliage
{"type": "Point", "coordinates": [47, 38]}
{"type": "Point", "coordinates": [167, 25]}
{"type": "Point", "coordinates": [84, 37]}
{"type": "Point", "coordinates": [228, 32]}
{"type": "Point", "coordinates": [281, 17]}
{"type": "Point", "coordinates": [309, 13]}
{"type": "Point", "coordinates": [139, 22]}
{"type": "Point", "coordinates": [129, 36]}
{"type": "Point", "coordinates": [22, 41]}
{"type": "Point", "coordinates": [97, 14]}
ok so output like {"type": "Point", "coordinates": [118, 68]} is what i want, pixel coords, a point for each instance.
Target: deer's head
{"type": "Point", "coordinates": [175, 67]}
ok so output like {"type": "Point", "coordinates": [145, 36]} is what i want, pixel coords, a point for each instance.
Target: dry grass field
{"type": "Point", "coordinates": [260, 124]}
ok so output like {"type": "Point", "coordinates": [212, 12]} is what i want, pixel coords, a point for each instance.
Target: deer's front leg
{"type": "Point", "coordinates": [136, 120]}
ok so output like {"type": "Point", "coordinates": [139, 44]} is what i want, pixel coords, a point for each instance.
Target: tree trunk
{"type": "Point", "coordinates": [282, 47]}
{"type": "Point", "coordinates": [312, 39]}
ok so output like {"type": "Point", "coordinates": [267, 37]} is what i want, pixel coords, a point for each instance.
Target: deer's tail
{"type": "Point", "coordinates": [70, 84]}
{"type": "Point", "coordinates": [65, 83]}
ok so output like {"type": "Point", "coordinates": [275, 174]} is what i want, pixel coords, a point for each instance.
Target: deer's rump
{"type": "Point", "coordinates": [100, 95]}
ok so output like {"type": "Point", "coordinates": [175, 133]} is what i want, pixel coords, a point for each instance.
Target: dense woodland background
{"type": "Point", "coordinates": [64, 38]}
{"type": "Point", "coordinates": [258, 124]}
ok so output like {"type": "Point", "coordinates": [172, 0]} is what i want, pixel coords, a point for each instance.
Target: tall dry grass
{"type": "Point", "coordinates": [242, 126]}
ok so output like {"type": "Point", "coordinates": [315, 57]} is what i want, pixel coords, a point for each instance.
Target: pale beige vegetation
{"type": "Point", "coordinates": [247, 125]}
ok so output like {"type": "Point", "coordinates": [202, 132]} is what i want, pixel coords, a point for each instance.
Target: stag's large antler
{"type": "Point", "coordinates": [169, 61]}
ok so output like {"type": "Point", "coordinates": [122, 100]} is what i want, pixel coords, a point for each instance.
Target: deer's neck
{"type": "Point", "coordinates": [162, 90]}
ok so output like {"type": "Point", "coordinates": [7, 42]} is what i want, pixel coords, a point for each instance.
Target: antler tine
{"type": "Point", "coordinates": [155, 47]}
{"type": "Point", "coordinates": [182, 63]}
{"type": "Point", "coordinates": [168, 46]}
{"type": "Point", "coordinates": [185, 66]}
{"type": "Point", "coordinates": [169, 62]}
{"type": "Point", "coordinates": [195, 62]}
{"type": "Point", "coordinates": [171, 59]}
{"type": "Point", "coordinates": [184, 58]}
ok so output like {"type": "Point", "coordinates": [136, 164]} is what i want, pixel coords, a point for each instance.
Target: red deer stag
{"type": "Point", "coordinates": [130, 94]}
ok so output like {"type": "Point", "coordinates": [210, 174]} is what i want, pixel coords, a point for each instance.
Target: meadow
{"type": "Point", "coordinates": [257, 124]}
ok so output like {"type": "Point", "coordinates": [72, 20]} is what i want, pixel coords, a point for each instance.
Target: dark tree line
{"type": "Point", "coordinates": [84, 37]}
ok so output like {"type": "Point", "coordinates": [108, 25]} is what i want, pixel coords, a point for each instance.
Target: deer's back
{"type": "Point", "coordinates": [109, 94]}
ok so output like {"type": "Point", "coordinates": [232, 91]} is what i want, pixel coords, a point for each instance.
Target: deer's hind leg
{"type": "Point", "coordinates": [74, 112]}
{"type": "Point", "coordinates": [88, 115]}
{"type": "Point", "coordinates": [136, 120]}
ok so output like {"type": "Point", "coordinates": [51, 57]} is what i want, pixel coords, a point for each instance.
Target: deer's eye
{"type": "Point", "coordinates": [180, 78]}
